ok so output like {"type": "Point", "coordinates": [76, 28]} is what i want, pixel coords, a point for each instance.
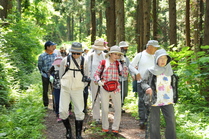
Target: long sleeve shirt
{"type": "Point", "coordinates": [110, 72]}
{"type": "Point", "coordinates": [45, 61]}
{"type": "Point", "coordinates": [142, 61]}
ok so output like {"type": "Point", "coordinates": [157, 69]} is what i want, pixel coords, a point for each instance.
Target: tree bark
{"type": "Point", "coordinates": [188, 23]}
{"type": "Point", "coordinates": [7, 6]}
{"type": "Point", "coordinates": [93, 22]}
{"type": "Point", "coordinates": [146, 10]}
{"type": "Point", "coordinates": [110, 21]}
{"type": "Point", "coordinates": [154, 16]}
{"type": "Point", "coordinates": [206, 29]}
{"type": "Point", "coordinates": [120, 25]}
{"type": "Point", "coordinates": [172, 22]}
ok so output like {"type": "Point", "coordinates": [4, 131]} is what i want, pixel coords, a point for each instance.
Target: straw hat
{"type": "Point", "coordinates": [99, 44]}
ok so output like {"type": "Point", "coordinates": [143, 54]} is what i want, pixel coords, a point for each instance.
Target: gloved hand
{"type": "Point", "coordinates": [100, 83]}
{"type": "Point", "coordinates": [51, 79]}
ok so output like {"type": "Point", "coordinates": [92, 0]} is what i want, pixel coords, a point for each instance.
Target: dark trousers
{"type": "Point", "coordinates": [85, 96]}
{"type": "Point", "coordinates": [142, 111]}
{"type": "Point", "coordinates": [124, 92]}
{"type": "Point", "coordinates": [45, 85]}
{"type": "Point", "coordinates": [56, 94]}
{"type": "Point", "coordinates": [168, 114]}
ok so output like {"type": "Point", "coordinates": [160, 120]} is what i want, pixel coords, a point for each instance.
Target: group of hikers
{"type": "Point", "coordinates": [104, 71]}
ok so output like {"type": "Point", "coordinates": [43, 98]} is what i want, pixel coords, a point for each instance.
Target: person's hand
{"type": "Point", "coordinates": [133, 77]}
{"type": "Point", "coordinates": [51, 79]}
{"type": "Point", "coordinates": [149, 91]}
{"type": "Point", "coordinates": [138, 77]}
{"type": "Point", "coordinates": [100, 83]}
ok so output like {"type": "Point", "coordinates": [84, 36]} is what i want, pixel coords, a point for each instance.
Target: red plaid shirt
{"type": "Point", "coordinates": [111, 73]}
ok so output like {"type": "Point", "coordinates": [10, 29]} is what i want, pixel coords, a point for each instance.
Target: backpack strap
{"type": "Point", "coordinates": [82, 67]}
{"type": "Point", "coordinates": [68, 65]}
{"type": "Point", "coordinates": [103, 66]}
{"type": "Point", "coordinates": [117, 63]}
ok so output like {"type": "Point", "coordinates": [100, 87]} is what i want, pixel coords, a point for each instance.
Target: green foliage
{"type": "Point", "coordinates": [22, 46]}
{"type": "Point", "coordinates": [24, 119]}
{"type": "Point", "coordinates": [192, 69]}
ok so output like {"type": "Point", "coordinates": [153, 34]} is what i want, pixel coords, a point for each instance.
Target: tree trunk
{"type": "Point", "coordinates": [201, 5]}
{"type": "Point", "coordinates": [68, 28]}
{"type": "Point", "coordinates": [19, 7]}
{"type": "Point", "coordinates": [147, 7]}
{"type": "Point", "coordinates": [141, 25]}
{"type": "Point", "coordinates": [188, 23]}
{"type": "Point", "coordinates": [7, 6]}
{"type": "Point", "coordinates": [88, 18]}
{"type": "Point", "coordinates": [100, 29]}
{"type": "Point", "coordinates": [72, 28]}
{"type": "Point", "coordinates": [137, 38]}
{"type": "Point", "coordinates": [154, 16]}
{"type": "Point", "coordinates": [206, 29]}
{"type": "Point", "coordinates": [172, 21]}
{"type": "Point", "coordinates": [120, 25]}
{"type": "Point", "coordinates": [196, 29]}
{"type": "Point", "coordinates": [93, 22]}
{"type": "Point", "coordinates": [110, 21]}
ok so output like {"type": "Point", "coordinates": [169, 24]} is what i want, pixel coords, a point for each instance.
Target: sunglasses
{"type": "Point", "coordinates": [76, 53]}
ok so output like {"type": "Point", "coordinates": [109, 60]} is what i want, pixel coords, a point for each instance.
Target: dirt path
{"type": "Point", "coordinates": [129, 128]}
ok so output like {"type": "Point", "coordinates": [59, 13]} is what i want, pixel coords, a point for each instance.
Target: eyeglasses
{"type": "Point", "coordinates": [76, 53]}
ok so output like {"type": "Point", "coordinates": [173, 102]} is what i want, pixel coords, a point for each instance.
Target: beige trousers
{"type": "Point", "coordinates": [116, 99]}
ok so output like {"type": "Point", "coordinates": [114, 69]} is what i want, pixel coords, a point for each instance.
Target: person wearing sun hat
{"type": "Point", "coordinates": [140, 63]}
{"type": "Point", "coordinates": [161, 92]}
{"type": "Point", "coordinates": [124, 80]}
{"type": "Point", "coordinates": [72, 89]}
{"type": "Point", "coordinates": [111, 71]}
{"type": "Point", "coordinates": [93, 59]}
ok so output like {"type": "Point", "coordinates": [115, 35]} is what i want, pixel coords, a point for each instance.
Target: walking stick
{"type": "Point", "coordinates": [122, 89]}
{"type": "Point", "coordinates": [98, 90]}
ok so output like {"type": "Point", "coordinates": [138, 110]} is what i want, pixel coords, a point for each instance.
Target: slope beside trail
{"type": "Point", "coordinates": [129, 128]}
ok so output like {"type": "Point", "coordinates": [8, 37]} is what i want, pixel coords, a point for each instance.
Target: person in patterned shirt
{"type": "Point", "coordinates": [110, 72]}
{"type": "Point", "coordinates": [45, 61]}
{"type": "Point", "coordinates": [160, 84]}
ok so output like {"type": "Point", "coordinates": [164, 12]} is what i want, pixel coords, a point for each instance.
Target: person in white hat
{"type": "Point", "coordinates": [72, 89]}
{"type": "Point", "coordinates": [140, 63]}
{"type": "Point", "coordinates": [110, 70]}
{"type": "Point", "coordinates": [124, 80]}
{"type": "Point", "coordinates": [93, 59]}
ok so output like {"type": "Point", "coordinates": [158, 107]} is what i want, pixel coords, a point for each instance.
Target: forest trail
{"type": "Point", "coordinates": [129, 128]}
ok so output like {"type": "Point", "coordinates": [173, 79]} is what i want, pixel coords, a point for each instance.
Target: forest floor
{"type": "Point", "coordinates": [129, 128]}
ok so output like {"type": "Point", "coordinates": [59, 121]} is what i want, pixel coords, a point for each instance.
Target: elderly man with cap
{"type": "Point", "coordinates": [124, 80]}
{"type": "Point", "coordinates": [107, 77]}
{"type": "Point", "coordinates": [45, 61]}
{"type": "Point", "coordinates": [140, 63]}
{"type": "Point", "coordinates": [93, 61]}
{"type": "Point", "coordinates": [71, 74]}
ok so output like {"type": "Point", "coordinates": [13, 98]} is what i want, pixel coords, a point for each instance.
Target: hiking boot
{"type": "Point", "coordinates": [123, 111]}
{"type": "Point", "coordinates": [142, 125]}
{"type": "Point", "coordinates": [115, 132]}
{"type": "Point", "coordinates": [105, 130]}
{"type": "Point", "coordinates": [98, 121]}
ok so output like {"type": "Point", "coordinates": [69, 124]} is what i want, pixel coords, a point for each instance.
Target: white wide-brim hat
{"type": "Point", "coordinates": [114, 49]}
{"type": "Point", "coordinates": [123, 44]}
{"type": "Point", "coordinates": [99, 44]}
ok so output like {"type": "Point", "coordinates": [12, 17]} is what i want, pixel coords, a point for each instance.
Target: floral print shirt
{"type": "Point", "coordinates": [164, 90]}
